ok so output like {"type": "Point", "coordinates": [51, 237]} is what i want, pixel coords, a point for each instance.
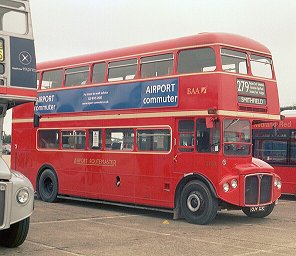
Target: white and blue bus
{"type": "Point", "coordinates": [17, 86]}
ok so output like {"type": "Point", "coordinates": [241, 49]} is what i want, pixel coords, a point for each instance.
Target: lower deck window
{"type": "Point", "coordinates": [154, 140]}
{"type": "Point", "coordinates": [95, 139]}
{"type": "Point", "coordinates": [48, 139]}
{"type": "Point", "coordinates": [119, 139]}
{"type": "Point", "coordinates": [73, 139]}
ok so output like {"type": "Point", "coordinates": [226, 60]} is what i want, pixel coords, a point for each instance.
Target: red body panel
{"type": "Point", "coordinates": [149, 178]}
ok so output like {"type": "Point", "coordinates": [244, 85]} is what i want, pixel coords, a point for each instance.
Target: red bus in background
{"type": "Point", "coordinates": [165, 125]}
{"type": "Point", "coordinates": [275, 143]}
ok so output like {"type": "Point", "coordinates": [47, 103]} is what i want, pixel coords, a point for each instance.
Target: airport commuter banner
{"type": "Point", "coordinates": [139, 95]}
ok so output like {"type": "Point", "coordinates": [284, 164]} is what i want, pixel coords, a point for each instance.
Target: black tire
{"type": "Point", "coordinates": [198, 205]}
{"type": "Point", "coordinates": [16, 234]}
{"type": "Point", "coordinates": [260, 214]}
{"type": "Point", "coordinates": [48, 186]}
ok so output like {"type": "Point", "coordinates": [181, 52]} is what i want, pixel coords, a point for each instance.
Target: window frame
{"type": "Point", "coordinates": [172, 59]}
{"type": "Point", "coordinates": [253, 61]}
{"type": "Point", "coordinates": [121, 148]}
{"type": "Point", "coordinates": [125, 77]}
{"type": "Point", "coordinates": [154, 129]}
{"type": "Point", "coordinates": [229, 55]}
{"type": "Point", "coordinates": [105, 78]}
{"type": "Point", "coordinates": [38, 139]}
{"type": "Point", "coordinates": [195, 49]}
{"type": "Point", "coordinates": [48, 71]}
{"type": "Point", "coordinates": [71, 73]}
{"type": "Point", "coordinates": [83, 147]}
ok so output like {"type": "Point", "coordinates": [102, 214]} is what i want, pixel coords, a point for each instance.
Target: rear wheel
{"type": "Point", "coordinates": [198, 205]}
{"type": "Point", "coordinates": [258, 212]}
{"type": "Point", "coordinates": [48, 186]}
{"type": "Point", "coordinates": [16, 234]}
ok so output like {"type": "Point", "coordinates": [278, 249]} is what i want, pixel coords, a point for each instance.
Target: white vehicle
{"type": "Point", "coordinates": [17, 86]}
{"type": "Point", "coordinates": [16, 206]}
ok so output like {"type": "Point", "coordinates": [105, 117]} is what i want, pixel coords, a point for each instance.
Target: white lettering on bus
{"type": "Point", "coordinates": [153, 89]}
{"type": "Point", "coordinates": [46, 98]}
{"type": "Point", "coordinates": [164, 99]}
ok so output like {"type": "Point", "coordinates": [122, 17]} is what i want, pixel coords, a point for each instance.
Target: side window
{"type": "Point", "coordinates": [38, 79]}
{"type": "Point", "coordinates": [98, 75]}
{"type": "Point", "coordinates": [154, 140]}
{"type": "Point", "coordinates": [293, 149]}
{"type": "Point", "coordinates": [186, 135]}
{"type": "Point", "coordinates": [207, 135]}
{"type": "Point", "coordinates": [15, 21]}
{"type": "Point", "coordinates": [275, 152]}
{"type": "Point", "coordinates": [261, 66]}
{"type": "Point", "coordinates": [73, 139]}
{"type": "Point", "coordinates": [196, 60]}
{"type": "Point", "coordinates": [122, 70]}
{"type": "Point", "coordinates": [202, 136]}
{"type": "Point", "coordinates": [77, 76]}
{"type": "Point", "coordinates": [95, 139]}
{"type": "Point", "coordinates": [48, 139]}
{"type": "Point", "coordinates": [52, 79]}
{"type": "Point", "coordinates": [159, 65]}
{"type": "Point", "coordinates": [119, 139]}
{"type": "Point", "coordinates": [234, 61]}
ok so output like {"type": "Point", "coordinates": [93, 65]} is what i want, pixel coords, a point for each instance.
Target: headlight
{"type": "Point", "coordinates": [277, 183]}
{"type": "Point", "coordinates": [22, 196]}
{"type": "Point", "coordinates": [234, 183]}
{"type": "Point", "coordinates": [226, 187]}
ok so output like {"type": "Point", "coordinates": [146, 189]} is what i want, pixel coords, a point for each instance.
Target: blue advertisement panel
{"type": "Point", "coordinates": [150, 94]}
{"type": "Point", "coordinates": [23, 63]}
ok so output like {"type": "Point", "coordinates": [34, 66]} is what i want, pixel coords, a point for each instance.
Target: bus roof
{"type": "Point", "coordinates": [189, 41]}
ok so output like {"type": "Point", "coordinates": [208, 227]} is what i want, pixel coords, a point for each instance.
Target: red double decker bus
{"type": "Point", "coordinates": [165, 125]}
{"type": "Point", "coordinates": [275, 143]}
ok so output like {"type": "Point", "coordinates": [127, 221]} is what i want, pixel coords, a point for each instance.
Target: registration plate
{"type": "Point", "coordinates": [257, 209]}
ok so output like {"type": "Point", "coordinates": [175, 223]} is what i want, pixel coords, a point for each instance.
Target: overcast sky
{"type": "Point", "coordinates": [64, 28]}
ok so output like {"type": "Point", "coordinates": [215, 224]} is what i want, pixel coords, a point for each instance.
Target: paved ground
{"type": "Point", "coordinates": [77, 228]}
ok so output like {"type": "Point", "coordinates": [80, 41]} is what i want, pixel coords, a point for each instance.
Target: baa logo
{"type": "Point", "coordinates": [197, 90]}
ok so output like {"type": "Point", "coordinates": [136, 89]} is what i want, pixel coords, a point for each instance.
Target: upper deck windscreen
{"type": "Point", "coordinates": [13, 17]}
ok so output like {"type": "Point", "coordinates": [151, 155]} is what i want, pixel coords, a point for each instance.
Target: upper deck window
{"type": "Point", "coordinates": [13, 18]}
{"type": "Point", "coordinates": [52, 79]}
{"type": "Point", "coordinates": [159, 65]}
{"type": "Point", "coordinates": [98, 75]}
{"type": "Point", "coordinates": [261, 66]}
{"type": "Point", "coordinates": [196, 60]}
{"type": "Point", "coordinates": [77, 76]}
{"type": "Point", "coordinates": [122, 70]}
{"type": "Point", "coordinates": [234, 61]}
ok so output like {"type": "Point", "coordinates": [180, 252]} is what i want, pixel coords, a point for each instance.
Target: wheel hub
{"type": "Point", "coordinates": [193, 202]}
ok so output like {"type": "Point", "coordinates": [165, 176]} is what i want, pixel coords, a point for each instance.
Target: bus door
{"type": "Point", "coordinates": [184, 146]}
{"type": "Point", "coordinates": [197, 145]}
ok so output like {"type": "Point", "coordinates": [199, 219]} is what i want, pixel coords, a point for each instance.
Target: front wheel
{"type": "Point", "coordinates": [198, 205]}
{"type": "Point", "coordinates": [16, 234]}
{"type": "Point", "coordinates": [48, 186]}
{"type": "Point", "coordinates": [258, 212]}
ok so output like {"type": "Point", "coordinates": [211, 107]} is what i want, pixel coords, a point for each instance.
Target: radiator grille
{"type": "Point", "coordinates": [2, 204]}
{"type": "Point", "coordinates": [258, 189]}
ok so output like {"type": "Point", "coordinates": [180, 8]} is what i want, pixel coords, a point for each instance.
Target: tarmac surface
{"type": "Point", "coordinates": [79, 228]}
